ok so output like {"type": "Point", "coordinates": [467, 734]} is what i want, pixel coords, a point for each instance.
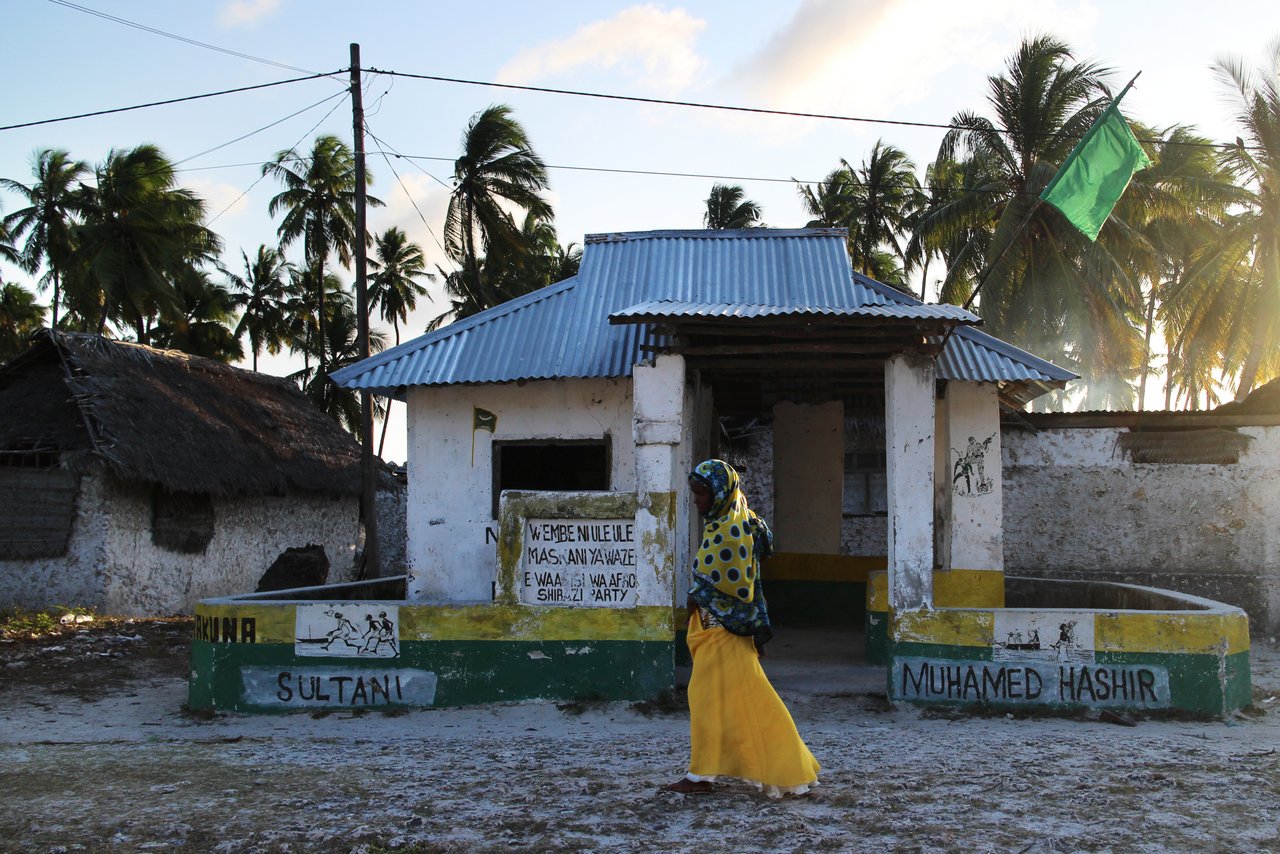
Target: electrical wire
{"type": "Point", "coordinates": [667, 102]}
{"type": "Point", "coordinates": [407, 194]}
{"type": "Point", "coordinates": [161, 103]}
{"type": "Point", "coordinates": [248, 189]}
{"type": "Point", "coordinates": [126, 22]}
{"type": "Point", "coordinates": [261, 129]}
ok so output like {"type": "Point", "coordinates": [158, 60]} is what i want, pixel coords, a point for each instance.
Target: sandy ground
{"type": "Point", "coordinates": [96, 753]}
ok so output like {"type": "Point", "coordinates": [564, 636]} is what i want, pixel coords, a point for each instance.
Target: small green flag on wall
{"type": "Point", "coordinates": [1097, 171]}
{"type": "Point", "coordinates": [483, 419]}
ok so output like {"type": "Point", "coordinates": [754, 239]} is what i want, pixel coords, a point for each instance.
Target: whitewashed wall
{"type": "Point", "coordinates": [451, 558]}
{"type": "Point", "coordinates": [1075, 507]}
{"type": "Point", "coordinates": [140, 577]}
{"type": "Point", "coordinates": [73, 579]}
{"type": "Point", "coordinates": [112, 565]}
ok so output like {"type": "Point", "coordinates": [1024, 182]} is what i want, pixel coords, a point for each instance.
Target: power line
{"type": "Point", "coordinates": [755, 110]}
{"type": "Point", "coordinates": [669, 174]}
{"type": "Point", "coordinates": [408, 195]}
{"type": "Point", "coordinates": [137, 26]}
{"type": "Point", "coordinates": [161, 103]}
{"type": "Point", "coordinates": [248, 189]}
{"type": "Point", "coordinates": [264, 127]}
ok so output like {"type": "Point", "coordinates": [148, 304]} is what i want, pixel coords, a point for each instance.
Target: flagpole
{"type": "Point", "coordinates": [1004, 250]}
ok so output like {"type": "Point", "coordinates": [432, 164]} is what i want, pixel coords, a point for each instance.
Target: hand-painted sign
{"type": "Point", "coordinates": [348, 630]}
{"type": "Point", "coordinates": [579, 562]}
{"type": "Point", "coordinates": [332, 687]}
{"type": "Point", "coordinates": [1031, 682]}
{"type": "Point", "coordinates": [1061, 636]}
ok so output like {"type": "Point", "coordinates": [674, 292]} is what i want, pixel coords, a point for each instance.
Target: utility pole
{"type": "Point", "coordinates": [369, 492]}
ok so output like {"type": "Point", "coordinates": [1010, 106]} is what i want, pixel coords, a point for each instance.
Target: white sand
{"type": "Point", "coordinates": [131, 772]}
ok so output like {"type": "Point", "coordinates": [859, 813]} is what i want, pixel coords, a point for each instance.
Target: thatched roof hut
{"type": "Point", "coordinates": [185, 423]}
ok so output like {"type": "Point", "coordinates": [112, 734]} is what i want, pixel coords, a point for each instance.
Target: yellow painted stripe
{"type": "Point", "coordinates": [878, 592]}
{"type": "Point", "coordinates": [956, 588]}
{"type": "Point", "coordinates": [945, 627]}
{"type": "Point", "coordinates": [1166, 632]}
{"type": "Point", "coordinates": [272, 622]}
{"type": "Point", "coordinates": [519, 622]}
{"type": "Point", "coordinates": [276, 622]}
{"type": "Point", "coordinates": [968, 588]}
{"type": "Point", "coordinates": [1171, 632]}
{"type": "Point", "coordinates": [798, 566]}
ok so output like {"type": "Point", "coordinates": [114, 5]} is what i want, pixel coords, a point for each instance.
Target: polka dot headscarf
{"type": "Point", "coordinates": [727, 553]}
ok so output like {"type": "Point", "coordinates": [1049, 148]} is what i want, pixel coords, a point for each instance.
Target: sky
{"type": "Point", "coordinates": [893, 60]}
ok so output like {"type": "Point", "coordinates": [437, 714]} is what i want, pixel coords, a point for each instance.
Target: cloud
{"type": "Point", "coordinates": [242, 13]}
{"type": "Point", "coordinates": [217, 197]}
{"type": "Point", "coordinates": [873, 58]}
{"type": "Point", "coordinates": [655, 47]}
{"type": "Point", "coordinates": [431, 199]}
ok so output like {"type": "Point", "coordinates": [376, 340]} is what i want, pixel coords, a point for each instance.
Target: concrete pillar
{"type": "Point", "coordinates": [976, 522]}
{"type": "Point", "coordinates": [909, 456]}
{"type": "Point", "coordinates": [808, 477]}
{"type": "Point", "coordinates": [658, 429]}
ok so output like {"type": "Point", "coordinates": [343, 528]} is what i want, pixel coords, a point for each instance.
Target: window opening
{"type": "Point", "coordinates": [181, 521]}
{"type": "Point", "coordinates": [865, 478]}
{"type": "Point", "coordinates": [561, 466]}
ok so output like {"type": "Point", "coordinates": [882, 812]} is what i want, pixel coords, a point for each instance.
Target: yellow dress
{"type": "Point", "coordinates": [738, 724]}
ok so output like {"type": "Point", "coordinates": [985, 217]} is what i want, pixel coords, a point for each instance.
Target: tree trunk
{"type": "Point", "coordinates": [320, 318]}
{"type": "Point", "coordinates": [53, 322]}
{"type": "Point", "coordinates": [1146, 350]}
{"type": "Point", "coordinates": [1263, 320]}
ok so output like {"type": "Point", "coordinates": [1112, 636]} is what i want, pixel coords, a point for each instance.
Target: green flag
{"type": "Point", "coordinates": [1096, 172]}
{"type": "Point", "coordinates": [483, 419]}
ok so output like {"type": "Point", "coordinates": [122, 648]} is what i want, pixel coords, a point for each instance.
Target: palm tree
{"type": "Point", "coordinates": [886, 192]}
{"type": "Point", "coordinates": [875, 202]}
{"type": "Point", "coordinates": [1051, 292]}
{"type": "Point", "coordinates": [497, 166]}
{"type": "Point", "coordinates": [202, 326]}
{"type": "Point", "coordinates": [318, 202]}
{"type": "Point", "coordinates": [393, 286]}
{"type": "Point", "coordinates": [20, 315]}
{"type": "Point", "coordinates": [728, 207]}
{"type": "Point", "coordinates": [48, 218]}
{"type": "Point", "coordinates": [950, 224]}
{"type": "Point", "coordinates": [1253, 234]}
{"type": "Point", "coordinates": [341, 404]}
{"type": "Point", "coordinates": [262, 297]}
{"type": "Point", "coordinates": [1175, 209]}
{"type": "Point", "coordinates": [7, 250]}
{"type": "Point", "coordinates": [139, 235]}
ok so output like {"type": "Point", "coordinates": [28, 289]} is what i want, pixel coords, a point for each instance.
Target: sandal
{"type": "Point", "coordinates": [685, 786]}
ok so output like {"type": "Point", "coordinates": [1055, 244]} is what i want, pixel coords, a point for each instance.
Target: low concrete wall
{"type": "Point", "coordinates": [1076, 507]}
{"type": "Point", "coordinates": [1193, 657]}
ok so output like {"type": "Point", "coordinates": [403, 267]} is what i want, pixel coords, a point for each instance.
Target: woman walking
{"type": "Point", "coordinates": [738, 725]}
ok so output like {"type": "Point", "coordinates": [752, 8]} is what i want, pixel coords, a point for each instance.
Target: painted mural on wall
{"type": "Point", "coordinates": [969, 473]}
{"type": "Point", "coordinates": [587, 563]}
{"type": "Point", "coordinates": [348, 630]}
{"type": "Point", "coordinates": [1043, 636]}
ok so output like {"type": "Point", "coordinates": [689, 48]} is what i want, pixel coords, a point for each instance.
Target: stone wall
{"type": "Point", "coordinates": [1076, 507]}
{"type": "Point", "coordinates": [112, 564]}
{"type": "Point", "coordinates": [393, 508]}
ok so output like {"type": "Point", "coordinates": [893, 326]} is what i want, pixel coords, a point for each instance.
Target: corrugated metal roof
{"type": "Point", "coordinates": [563, 330]}
{"type": "Point", "coordinates": [656, 309]}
